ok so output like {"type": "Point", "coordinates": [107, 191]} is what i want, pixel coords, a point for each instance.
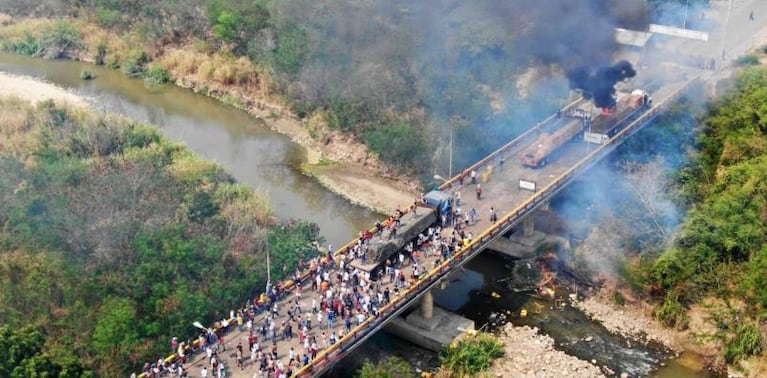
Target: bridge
{"type": "Point", "coordinates": [512, 190]}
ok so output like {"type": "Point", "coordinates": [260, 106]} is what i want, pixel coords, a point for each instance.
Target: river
{"type": "Point", "coordinates": [254, 154]}
{"type": "Point", "coordinates": [268, 161]}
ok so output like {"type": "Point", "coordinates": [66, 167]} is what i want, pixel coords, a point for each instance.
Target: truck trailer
{"type": "Point", "coordinates": [537, 155]}
{"type": "Point", "coordinates": [612, 121]}
{"type": "Point", "coordinates": [597, 130]}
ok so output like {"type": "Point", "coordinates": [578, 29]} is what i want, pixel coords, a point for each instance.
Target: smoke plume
{"type": "Point", "coordinates": [599, 83]}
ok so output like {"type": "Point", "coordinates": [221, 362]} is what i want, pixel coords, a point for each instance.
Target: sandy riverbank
{"type": "Point", "coordinates": [347, 168]}
{"type": "Point", "coordinates": [35, 90]}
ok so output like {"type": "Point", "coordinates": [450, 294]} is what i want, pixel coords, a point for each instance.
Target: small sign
{"type": "Point", "coordinates": [679, 32]}
{"type": "Point", "coordinates": [527, 185]}
{"type": "Point", "coordinates": [595, 138]}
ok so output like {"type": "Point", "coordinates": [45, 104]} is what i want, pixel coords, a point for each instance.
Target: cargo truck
{"type": "Point", "coordinates": [597, 130]}
{"type": "Point", "coordinates": [612, 121]}
{"type": "Point", "coordinates": [538, 153]}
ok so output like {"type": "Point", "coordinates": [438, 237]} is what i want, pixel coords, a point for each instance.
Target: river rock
{"type": "Point", "coordinates": [528, 354]}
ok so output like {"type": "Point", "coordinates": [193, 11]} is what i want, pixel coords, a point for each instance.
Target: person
{"type": "Point", "coordinates": [493, 215]}
{"type": "Point", "coordinates": [751, 16]}
{"type": "Point", "coordinates": [479, 192]}
{"type": "Point", "coordinates": [239, 356]}
{"type": "Point", "coordinates": [204, 372]}
{"type": "Point", "coordinates": [473, 176]}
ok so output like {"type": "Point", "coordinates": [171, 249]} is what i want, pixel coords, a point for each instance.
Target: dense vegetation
{"type": "Point", "coordinates": [384, 71]}
{"type": "Point", "coordinates": [721, 250]}
{"type": "Point", "coordinates": [114, 239]}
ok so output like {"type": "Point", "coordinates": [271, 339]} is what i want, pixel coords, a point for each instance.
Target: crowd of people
{"type": "Point", "coordinates": [288, 325]}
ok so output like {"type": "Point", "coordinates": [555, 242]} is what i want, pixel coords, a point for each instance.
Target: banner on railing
{"type": "Point", "coordinates": [527, 185]}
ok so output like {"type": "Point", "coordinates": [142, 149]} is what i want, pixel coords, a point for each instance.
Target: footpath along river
{"type": "Point", "coordinates": [266, 160]}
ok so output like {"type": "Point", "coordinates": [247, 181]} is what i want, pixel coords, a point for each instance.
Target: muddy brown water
{"type": "Point", "coordinates": [266, 160]}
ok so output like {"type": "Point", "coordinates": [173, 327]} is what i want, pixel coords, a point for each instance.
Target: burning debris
{"type": "Point", "coordinates": [599, 83]}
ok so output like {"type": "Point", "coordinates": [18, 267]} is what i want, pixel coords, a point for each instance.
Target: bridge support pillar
{"type": "Point", "coordinates": [528, 225]}
{"type": "Point", "coordinates": [427, 305]}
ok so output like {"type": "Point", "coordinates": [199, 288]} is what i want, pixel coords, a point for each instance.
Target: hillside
{"type": "Point", "coordinates": [398, 77]}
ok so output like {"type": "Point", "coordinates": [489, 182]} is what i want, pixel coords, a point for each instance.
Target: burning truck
{"type": "Point", "coordinates": [597, 130]}
{"type": "Point", "coordinates": [618, 110]}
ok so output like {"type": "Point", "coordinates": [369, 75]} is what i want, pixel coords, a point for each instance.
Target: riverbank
{"type": "Point", "coordinates": [337, 161]}
{"type": "Point", "coordinates": [34, 90]}
{"type": "Point", "coordinates": [529, 354]}
{"type": "Point", "coordinates": [634, 320]}
{"type": "Point", "coordinates": [357, 174]}
{"type": "Point", "coordinates": [362, 184]}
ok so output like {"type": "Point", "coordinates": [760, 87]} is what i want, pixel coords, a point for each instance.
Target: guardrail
{"type": "Point", "coordinates": [330, 355]}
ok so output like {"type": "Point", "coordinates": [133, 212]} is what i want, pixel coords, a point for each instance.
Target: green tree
{"type": "Point", "coordinates": [115, 335]}
{"type": "Point", "coordinates": [237, 22]}
{"type": "Point", "coordinates": [24, 356]}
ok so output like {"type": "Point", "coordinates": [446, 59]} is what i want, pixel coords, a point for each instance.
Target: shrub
{"type": "Point", "coordinates": [87, 75]}
{"type": "Point", "coordinates": [748, 60]}
{"type": "Point", "coordinates": [132, 70]}
{"type": "Point", "coordinates": [672, 314]}
{"type": "Point", "coordinates": [60, 39]}
{"type": "Point", "coordinates": [27, 46]}
{"type": "Point", "coordinates": [471, 355]}
{"type": "Point", "coordinates": [400, 144]}
{"type": "Point", "coordinates": [747, 341]}
{"type": "Point", "coordinates": [134, 65]}
{"type": "Point", "coordinates": [392, 367]}
{"type": "Point", "coordinates": [158, 75]}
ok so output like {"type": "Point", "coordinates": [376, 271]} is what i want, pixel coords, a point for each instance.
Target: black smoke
{"type": "Point", "coordinates": [599, 83]}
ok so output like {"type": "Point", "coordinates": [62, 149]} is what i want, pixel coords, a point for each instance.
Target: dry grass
{"type": "Point", "coordinates": [116, 48]}
{"type": "Point", "coordinates": [16, 31]}
{"type": "Point", "coordinates": [215, 70]}
{"type": "Point", "coordinates": [16, 137]}
{"type": "Point", "coordinates": [5, 19]}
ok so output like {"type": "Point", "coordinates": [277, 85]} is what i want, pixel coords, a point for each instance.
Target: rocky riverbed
{"type": "Point", "coordinates": [530, 354]}
{"type": "Point", "coordinates": [632, 320]}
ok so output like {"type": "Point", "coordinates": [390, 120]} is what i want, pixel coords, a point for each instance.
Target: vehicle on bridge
{"type": "Point", "coordinates": [599, 130]}
{"type": "Point", "coordinates": [628, 107]}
